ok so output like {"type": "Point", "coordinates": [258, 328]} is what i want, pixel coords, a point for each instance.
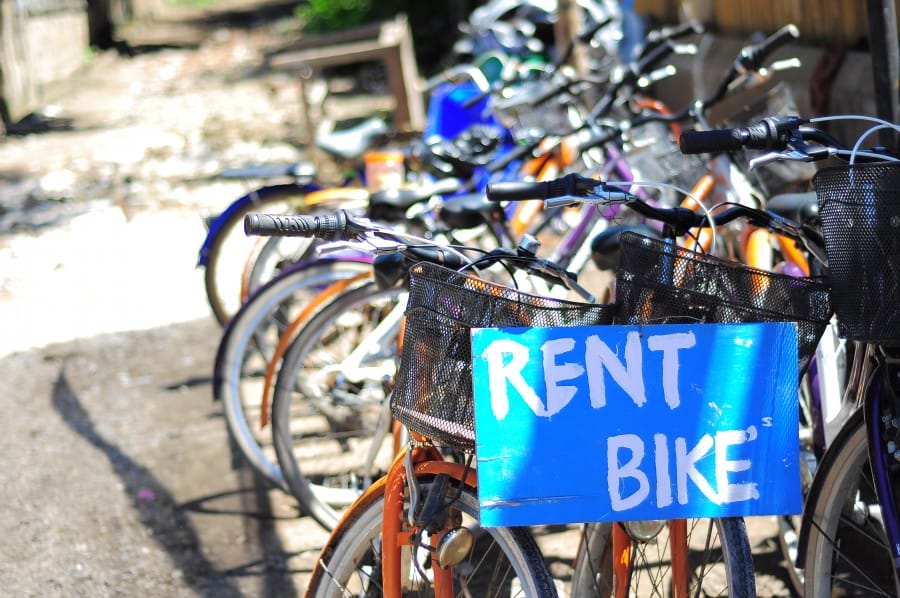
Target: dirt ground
{"type": "Point", "coordinates": [117, 474]}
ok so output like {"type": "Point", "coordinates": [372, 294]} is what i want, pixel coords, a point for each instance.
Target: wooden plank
{"type": "Point", "coordinates": [330, 55]}
{"type": "Point", "coordinates": [389, 43]}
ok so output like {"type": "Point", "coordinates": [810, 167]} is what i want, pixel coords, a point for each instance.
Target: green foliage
{"type": "Point", "coordinates": [333, 15]}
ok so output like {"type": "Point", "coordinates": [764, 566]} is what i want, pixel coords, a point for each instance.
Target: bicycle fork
{"type": "Point", "coordinates": [624, 535]}
{"type": "Point", "coordinates": [401, 533]}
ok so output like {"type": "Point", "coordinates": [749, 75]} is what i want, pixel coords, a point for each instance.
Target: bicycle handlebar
{"type": "Point", "coordinates": [750, 58]}
{"type": "Point", "coordinates": [769, 133]}
{"type": "Point", "coordinates": [343, 226]}
{"type": "Point", "coordinates": [571, 184]}
{"type": "Point", "coordinates": [681, 220]}
{"type": "Point", "coordinates": [459, 71]}
{"type": "Point", "coordinates": [339, 225]}
{"type": "Point", "coordinates": [651, 54]}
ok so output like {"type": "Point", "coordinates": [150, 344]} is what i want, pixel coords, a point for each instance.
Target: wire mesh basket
{"type": "Point", "coordinates": [433, 393]}
{"type": "Point", "coordinates": [653, 155]}
{"type": "Point", "coordinates": [529, 122]}
{"type": "Point", "coordinates": [662, 283]}
{"type": "Point", "coordinates": [859, 207]}
{"type": "Point", "coordinates": [778, 100]}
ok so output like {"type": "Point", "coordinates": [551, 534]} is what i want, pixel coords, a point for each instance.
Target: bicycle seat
{"type": "Point", "coordinates": [799, 207]}
{"type": "Point", "coordinates": [460, 156]}
{"type": "Point", "coordinates": [605, 246]}
{"type": "Point", "coordinates": [470, 210]}
{"type": "Point", "coordinates": [391, 204]}
{"type": "Point", "coordinates": [352, 143]}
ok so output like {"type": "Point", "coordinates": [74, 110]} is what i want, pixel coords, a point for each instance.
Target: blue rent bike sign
{"type": "Point", "coordinates": [623, 423]}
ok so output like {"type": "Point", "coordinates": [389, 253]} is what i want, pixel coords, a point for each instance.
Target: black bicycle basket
{"type": "Point", "coordinates": [663, 283]}
{"type": "Point", "coordinates": [859, 206]}
{"type": "Point", "coordinates": [433, 393]}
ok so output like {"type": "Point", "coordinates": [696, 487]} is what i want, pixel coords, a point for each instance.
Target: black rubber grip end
{"type": "Point", "coordinates": [251, 224]}
{"type": "Point", "coordinates": [326, 226]}
{"type": "Point", "coordinates": [703, 142]}
{"type": "Point", "coordinates": [516, 191]}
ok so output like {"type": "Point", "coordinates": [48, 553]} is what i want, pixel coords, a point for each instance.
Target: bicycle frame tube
{"type": "Point", "coordinates": [622, 561]}
{"type": "Point", "coordinates": [384, 334]}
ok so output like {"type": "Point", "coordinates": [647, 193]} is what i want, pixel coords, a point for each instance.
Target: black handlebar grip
{"type": "Point", "coordinates": [762, 135]}
{"type": "Point", "coordinates": [752, 57]}
{"type": "Point", "coordinates": [516, 191]}
{"type": "Point", "coordinates": [326, 226]}
{"type": "Point", "coordinates": [767, 134]}
{"type": "Point", "coordinates": [571, 184]}
{"type": "Point", "coordinates": [704, 142]}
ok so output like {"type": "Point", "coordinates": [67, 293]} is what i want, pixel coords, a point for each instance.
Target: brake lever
{"type": "Point", "coordinates": [816, 251]}
{"type": "Point", "coordinates": [556, 272]}
{"type": "Point", "coordinates": [802, 152]}
{"type": "Point", "coordinates": [792, 155]}
{"type": "Point", "coordinates": [370, 244]}
{"type": "Point", "coordinates": [559, 202]}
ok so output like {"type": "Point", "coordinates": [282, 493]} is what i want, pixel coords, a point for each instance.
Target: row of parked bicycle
{"type": "Point", "coordinates": [345, 368]}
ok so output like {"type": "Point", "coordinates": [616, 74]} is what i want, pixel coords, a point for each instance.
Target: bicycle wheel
{"type": "Point", "coordinates": [718, 562]}
{"type": "Point", "coordinates": [330, 415]}
{"type": "Point", "coordinates": [226, 248]}
{"type": "Point", "coordinates": [503, 561]}
{"type": "Point", "coordinates": [846, 552]}
{"type": "Point", "coordinates": [272, 257]}
{"type": "Point", "coordinates": [248, 344]}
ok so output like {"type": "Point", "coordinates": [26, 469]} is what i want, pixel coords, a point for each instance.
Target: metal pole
{"type": "Point", "coordinates": [885, 50]}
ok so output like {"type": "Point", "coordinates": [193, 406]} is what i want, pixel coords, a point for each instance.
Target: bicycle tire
{"type": "Point", "coordinates": [818, 400]}
{"type": "Point", "coordinates": [842, 510]}
{"type": "Point", "coordinates": [249, 340]}
{"type": "Point", "coordinates": [329, 429]}
{"type": "Point", "coordinates": [650, 574]}
{"type": "Point", "coordinates": [221, 275]}
{"type": "Point", "coordinates": [350, 552]}
{"type": "Point", "coordinates": [275, 255]}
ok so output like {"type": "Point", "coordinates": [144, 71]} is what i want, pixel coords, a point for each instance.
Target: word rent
{"type": "Point", "coordinates": [507, 359]}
